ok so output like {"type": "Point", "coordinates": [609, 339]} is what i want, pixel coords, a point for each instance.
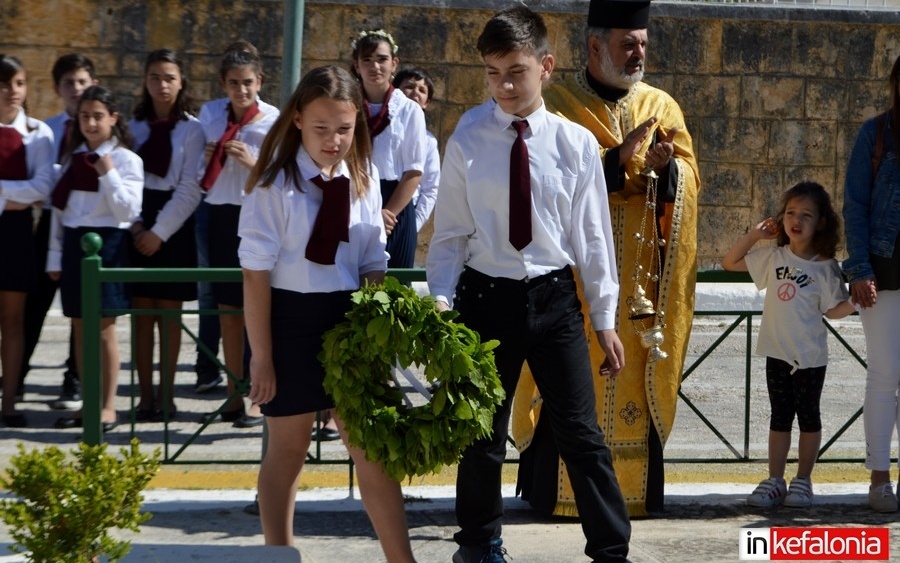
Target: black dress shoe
{"type": "Point", "coordinates": [78, 422]}
{"type": "Point", "coordinates": [143, 415]}
{"type": "Point", "coordinates": [16, 420]}
{"type": "Point", "coordinates": [224, 416]}
{"type": "Point", "coordinates": [248, 421]}
{"type": "Point", "coordinates": [325, 434]}
{"type": "Point", "coordinates": [68, 422]}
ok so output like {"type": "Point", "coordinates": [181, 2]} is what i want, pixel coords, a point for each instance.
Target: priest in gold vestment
{"type": "Point", "coordinates": [646, 149]}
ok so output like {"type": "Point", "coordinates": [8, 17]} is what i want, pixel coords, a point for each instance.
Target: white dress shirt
{"type": "Point", "coordinates": [276, 223]}
{"type": "Point", "coordinates": [229, 186]}
{"type": "Point", "coordinates": [38, 140]}
{"type": "Point", "coordinates": [570, 213]}
{"type": "Point", "coordinates": [116, 203]}
{"type": "Point", "coordinates": [401, 146]}
{"type": "Point", "coordinates": [426, 193]}
{"type": "Point", "coordinates": [188, 143]}
{"type": "Point", "coordinates": [57, 124]}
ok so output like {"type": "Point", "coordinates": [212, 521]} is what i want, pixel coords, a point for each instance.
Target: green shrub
{"type": "Point", "coordinates": [66, 505]}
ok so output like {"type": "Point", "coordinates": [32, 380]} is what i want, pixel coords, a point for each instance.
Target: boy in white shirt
{"type": "Point", "coordinates": [506, 243]}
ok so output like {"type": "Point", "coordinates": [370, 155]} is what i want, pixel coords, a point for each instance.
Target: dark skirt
{"type": "Point", "coordinates": [113, 254]}
{"type": "Point", "coordinates": [223, 251]}
{"type": "Point", "coordinates": [180, 251]}
{"type": "Point", "coordinates": [17, 251]}
{"type": "Point", "coordinates": [401, 243]}
{"type": "Point", "coordinates": [298, 322]}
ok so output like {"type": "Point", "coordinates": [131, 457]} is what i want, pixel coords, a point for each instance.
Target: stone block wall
{"type": "Point", "coordinates": [771, 95]}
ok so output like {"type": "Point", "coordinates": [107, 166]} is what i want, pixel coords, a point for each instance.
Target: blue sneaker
{"type": "Point", "coordinates": [491, 553]}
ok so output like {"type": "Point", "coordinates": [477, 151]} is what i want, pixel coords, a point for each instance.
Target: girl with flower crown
{"type": "Point", "coordinates": [397, 129]}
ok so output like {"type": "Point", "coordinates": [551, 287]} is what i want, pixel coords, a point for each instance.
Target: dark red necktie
{"type": "Point", "coordinates": [333, 221]}
{"type": "Point", "coordinates": [64, 142]}
{"type": "Point", "coordinates": [156, 152]}
{"type": "Point", "coordinates": [379, 122]}
{"type": "Point", "coordinates": [13, 159]}
{"type": "Point", "coordinates": [80, 175]}
{"type": "Point", "coordinates": [519, 190]}
{"type": "Point", "coordinates": [217, 160]}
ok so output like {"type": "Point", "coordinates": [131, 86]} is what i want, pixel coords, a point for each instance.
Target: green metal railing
{"type": "Point", "coordinates": [93, 274]}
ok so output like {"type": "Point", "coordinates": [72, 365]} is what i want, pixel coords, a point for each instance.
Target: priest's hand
{"type": "Point", "coordinates": [634, 140]}
{"type": "Point", "coordinates": [659, 154]}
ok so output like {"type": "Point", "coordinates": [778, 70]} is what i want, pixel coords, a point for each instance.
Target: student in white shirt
{"type": "Point", "coordinates": [98, 188]}
{"type": "Point", "coordinates": [209, 332]}
{"type": "Point", "coordinates": [397, 128]}
{"type": "Point", "coordinates": [233, 137]}
{"type": "Point", "coordinates": [297, 285]}
{"type": "Point", "coordinates": [25, 145]}
{"type": "Point", "coordinates": [418, 87]}
{"type": "Point", "coordinates": [170, 142]}
{"type": "Point", "coordinates": [506, 264]}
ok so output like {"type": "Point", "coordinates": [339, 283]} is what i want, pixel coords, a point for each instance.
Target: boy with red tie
{"type": "Point", "coordinates": [505, 244]}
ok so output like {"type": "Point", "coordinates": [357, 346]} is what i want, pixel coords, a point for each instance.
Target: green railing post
{"type": "Point", "coordinates": [90, 339]}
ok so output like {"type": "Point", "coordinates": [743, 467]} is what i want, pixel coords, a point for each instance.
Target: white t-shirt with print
{"type": "Point", "coordinates": [798, 293]}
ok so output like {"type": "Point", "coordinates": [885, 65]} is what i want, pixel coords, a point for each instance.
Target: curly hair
{"type": "Point", "coordinates": [827, 234]}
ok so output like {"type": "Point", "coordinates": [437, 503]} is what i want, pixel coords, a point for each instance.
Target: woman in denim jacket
{"type": "Point", "coordinates": [872, 224]}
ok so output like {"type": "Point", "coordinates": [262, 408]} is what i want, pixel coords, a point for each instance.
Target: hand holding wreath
{"type": "Point", "coordinates": [391, 324]}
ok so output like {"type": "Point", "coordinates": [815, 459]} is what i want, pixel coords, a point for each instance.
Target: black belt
{"type": "Point", "coordinates": [470, 275]}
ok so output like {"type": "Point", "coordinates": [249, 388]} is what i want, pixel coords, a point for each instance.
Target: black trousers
{"type": "Point", "coordinates": [539, 321]}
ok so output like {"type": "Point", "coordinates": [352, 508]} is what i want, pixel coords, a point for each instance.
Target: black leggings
{"type": "Point", "coordinates": [792, 394]}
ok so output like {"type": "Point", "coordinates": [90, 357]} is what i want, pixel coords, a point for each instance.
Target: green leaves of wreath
{"type": "Point", "coordinates": [390, 324]}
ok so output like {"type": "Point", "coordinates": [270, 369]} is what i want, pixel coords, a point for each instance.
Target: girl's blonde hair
{"type": "Point", "coordinates": [279, 149]}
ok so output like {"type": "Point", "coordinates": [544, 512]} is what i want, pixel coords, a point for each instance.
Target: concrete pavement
{"type": "Point", "coordinates": [701, 523]}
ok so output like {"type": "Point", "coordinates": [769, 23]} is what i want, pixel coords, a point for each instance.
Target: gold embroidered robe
{"type": "Point", "coordinates": [644, 393]}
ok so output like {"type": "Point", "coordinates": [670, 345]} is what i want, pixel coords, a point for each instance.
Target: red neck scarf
{"type": "Point", "coordinates": [378, 122]}
{"type": "Point", "coordinates": [13, 160]}
{"type": "Point", "coordinates": [80, 175]}
{"type": "Point", "coordinates": [217, 160]}
{"type": "Point", "coordinates": [332, 222]}
{"type": "Point", "coordinates": [156, 152]}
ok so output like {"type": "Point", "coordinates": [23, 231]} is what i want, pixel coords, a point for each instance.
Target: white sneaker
{"type": "Point", "coordinates": [882, 498]}
{"type": "Point", "coordinates": [800, 493]}
{"type": "Point", "coordinates": [770, 492]}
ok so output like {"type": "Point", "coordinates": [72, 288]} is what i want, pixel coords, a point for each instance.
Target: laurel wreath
{"type": "Point", "coordinates": [390, 324]}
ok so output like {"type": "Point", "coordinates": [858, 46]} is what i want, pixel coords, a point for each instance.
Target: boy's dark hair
{"type": "Point", "coordinates": [70, 63]}
{"type": "Point", "coordinates": [514, 29]}
{"type": "Point", "coordinates": [184, 103]}
{"type": "Point", "coordinates": [414, 74]}
{"type": "Point", "coordinates": [120, 130]}
{"type": "Point", "coordinates": [825, 239]}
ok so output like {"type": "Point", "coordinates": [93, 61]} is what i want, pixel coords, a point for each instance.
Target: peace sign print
{"type": "Point", "coordinates": [787, 291]}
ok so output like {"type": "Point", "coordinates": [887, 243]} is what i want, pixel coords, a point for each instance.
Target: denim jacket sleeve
{"type": "Point", "coordinates": [857, 199]}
